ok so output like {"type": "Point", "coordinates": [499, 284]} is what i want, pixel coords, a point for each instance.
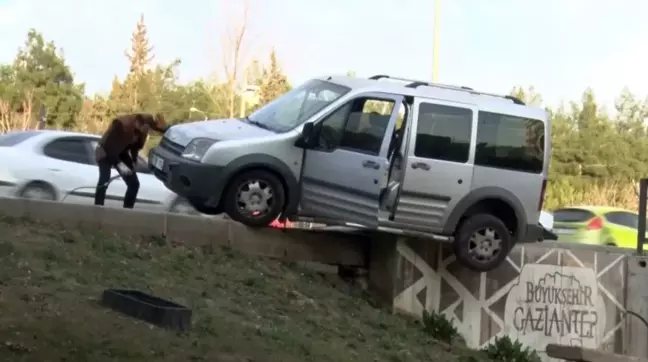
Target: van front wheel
{"type": "Point", "coordinates": [254, 198]}
{"type": "Point", "coordinates": [482, 242]}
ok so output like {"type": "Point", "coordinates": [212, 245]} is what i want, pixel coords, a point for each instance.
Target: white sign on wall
{"type": "Point", "coordinates": [554, 304]}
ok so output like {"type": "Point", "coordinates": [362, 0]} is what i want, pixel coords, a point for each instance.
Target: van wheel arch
{"type": "Point", "coordinates": [483, 200]}
{"type": "Point", "coordinates": [497, 207]}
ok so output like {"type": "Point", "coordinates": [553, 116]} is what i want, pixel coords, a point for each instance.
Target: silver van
{"type": "Point", "coordinates": [391, 154]}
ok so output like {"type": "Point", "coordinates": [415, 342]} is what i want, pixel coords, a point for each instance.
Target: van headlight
{"type": "Point", "coordinates": [197, 148]}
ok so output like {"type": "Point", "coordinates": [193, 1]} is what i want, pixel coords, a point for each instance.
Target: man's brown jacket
{"type": "Point", "coordinates": [128, 134]}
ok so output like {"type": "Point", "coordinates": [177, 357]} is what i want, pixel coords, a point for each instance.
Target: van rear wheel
{"type": "Point", "coordinates": [482, 242]}
{"type": "Point", "coordinates": [254, 198]}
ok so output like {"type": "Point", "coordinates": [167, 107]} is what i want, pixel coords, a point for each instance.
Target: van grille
{"type": "Point", "coordinates": [171, 146]}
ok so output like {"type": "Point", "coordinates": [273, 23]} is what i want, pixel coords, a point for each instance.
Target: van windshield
{"type": "Point", "coordinates": [295, 107]}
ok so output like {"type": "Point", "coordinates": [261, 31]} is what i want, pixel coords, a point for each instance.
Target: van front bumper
{"type": "Point", "coordinates": [189, 179]}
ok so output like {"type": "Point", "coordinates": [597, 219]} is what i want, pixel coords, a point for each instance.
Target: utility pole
{"type": "Point", "coordinates": [244, 96]}
{"type": "Point", "coordinates": [435, 45]}
{"type": "Point", "coordinates": [42, 117]}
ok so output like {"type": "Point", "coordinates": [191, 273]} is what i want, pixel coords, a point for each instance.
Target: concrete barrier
{"type": "Point", "coordinates": [291, 245]}
{"type": "Point", "coordinates": [545, 293]}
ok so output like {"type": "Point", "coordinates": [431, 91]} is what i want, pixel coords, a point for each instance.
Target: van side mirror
{"type": "Point", "coordinates": [307, 138]}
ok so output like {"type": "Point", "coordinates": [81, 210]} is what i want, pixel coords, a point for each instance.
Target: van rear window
{"type": "Point", "coordinates": [510, 142]}
{"type": "Point", "coordinates": [572, 215]}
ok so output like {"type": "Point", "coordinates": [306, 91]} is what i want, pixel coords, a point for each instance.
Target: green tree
{"type": "Point", "coordinates": [40, 72]}
{"type": "Point", "coordinates": [137, 87]}
{"type": "Point", "coordinates": [275, 82]}
{"type": "Point", "coordinates": [528, 95]}
{"type": "Point", "coordinates": [147, 88]}
{"type": "Point", "coordinates": [95, 115]}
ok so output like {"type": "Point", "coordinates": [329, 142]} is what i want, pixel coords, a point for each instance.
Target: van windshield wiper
{"type": "Point", "coordinates": [258, 124]}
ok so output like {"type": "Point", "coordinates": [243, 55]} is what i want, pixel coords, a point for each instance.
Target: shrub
{"type": "Point", "coordinates": [503, 349]}
{"type": "Point", "coordinates": [440, 328]}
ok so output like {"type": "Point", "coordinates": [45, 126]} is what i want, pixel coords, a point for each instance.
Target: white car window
{"type": "Point", "coordinates": [68, 149]}
{"type": "Point", "coordinates": [142, 163]}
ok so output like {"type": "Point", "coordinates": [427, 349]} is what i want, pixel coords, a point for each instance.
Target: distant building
{"type": "Point", "coordinates": [251, 95]}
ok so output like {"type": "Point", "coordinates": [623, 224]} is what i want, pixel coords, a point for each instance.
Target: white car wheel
{"type": "Point", "coordinates": [38, 192]}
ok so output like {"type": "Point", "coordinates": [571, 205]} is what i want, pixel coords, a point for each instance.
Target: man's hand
{"type": "Point", "coordinates": [123, 169]}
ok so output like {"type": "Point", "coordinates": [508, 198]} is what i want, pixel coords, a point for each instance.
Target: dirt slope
{"type": "Point", "coordinates": [245, 309]}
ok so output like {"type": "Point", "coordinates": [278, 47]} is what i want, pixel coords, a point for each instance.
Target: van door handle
{"type": "Point", "coordinates": [371, 164]}
{"type": "Point", "coordinates": [422, 165]}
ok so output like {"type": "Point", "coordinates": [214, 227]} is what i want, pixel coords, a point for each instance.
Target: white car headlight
{"type": "Point", "coordinates": [197, 148]}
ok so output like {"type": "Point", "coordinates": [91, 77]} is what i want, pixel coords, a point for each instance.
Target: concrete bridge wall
{"type": "Point", "coordinates": [545, 293]}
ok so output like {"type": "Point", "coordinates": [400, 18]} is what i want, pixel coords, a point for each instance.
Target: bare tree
{"type": "Point", "coordinates": [11, 120]}
{"type": "Point", "coordinates": [233, 47]}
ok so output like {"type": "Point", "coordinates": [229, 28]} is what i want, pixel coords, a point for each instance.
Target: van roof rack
{"type": "Point", "coordinates": [413, 83]}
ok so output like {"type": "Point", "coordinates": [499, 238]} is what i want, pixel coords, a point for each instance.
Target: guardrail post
{"type": "Point", "coordinates": [641, 234]}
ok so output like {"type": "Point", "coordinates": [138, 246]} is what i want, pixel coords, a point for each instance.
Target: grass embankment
{"type": "Point", "coordinates": [245, 309]}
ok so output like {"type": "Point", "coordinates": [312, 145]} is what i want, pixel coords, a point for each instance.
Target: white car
{"type": "Point", "coordinates": [58, 165]}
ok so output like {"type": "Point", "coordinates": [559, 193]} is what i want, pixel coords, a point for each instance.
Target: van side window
{"type": "Point", "coordinates": [443, 133]}
{"type": "Point", "coordinates": [359, 125]}
{"type": "Point", "coordinates": [510, 142]}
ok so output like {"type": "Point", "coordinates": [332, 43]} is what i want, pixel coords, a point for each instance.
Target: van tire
{"type": "Point", "coordinates": [493, 229]}
{"type": "Point", "coordinates": [266, 181]}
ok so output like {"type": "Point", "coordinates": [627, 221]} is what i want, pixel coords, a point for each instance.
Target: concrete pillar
{"type": "Point", "coordinates": [382, 266]}
{"type": "Point", "coordinates": [636, 341]}
{"type": "Point", "coordinates": [402, 272]}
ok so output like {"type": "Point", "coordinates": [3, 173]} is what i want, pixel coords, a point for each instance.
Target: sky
{"type": "Point", "coordinates": [558, 46]}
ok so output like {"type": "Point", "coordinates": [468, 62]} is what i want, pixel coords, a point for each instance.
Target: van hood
{"type": "Point", "coordinates": [220, 129]}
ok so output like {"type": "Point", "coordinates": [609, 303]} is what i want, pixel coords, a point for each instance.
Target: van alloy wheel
{"type": "Point", "coordinates": [255, 197]}
{"type": "Point", "coordinates": [485, 244]}
{"type": "Point", "coordinates": [482, 242]}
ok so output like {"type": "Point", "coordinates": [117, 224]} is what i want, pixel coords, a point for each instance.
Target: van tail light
{"type": "Point", "coordinates": [542, 194]}
{"type": "Point", "coordinates": [595, 224]}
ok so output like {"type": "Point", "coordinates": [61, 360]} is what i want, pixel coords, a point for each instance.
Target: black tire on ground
{"type": "Point", "coordinates": [199, 205]}
{"type": "Point", "coordinates": [38, 191]}
{"type": "Point", "coordinates": [149, 308]}
{"type": "Point", "coordinates": [485, 256]}
{"type": "Point", "coordinates": [276, 205]}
